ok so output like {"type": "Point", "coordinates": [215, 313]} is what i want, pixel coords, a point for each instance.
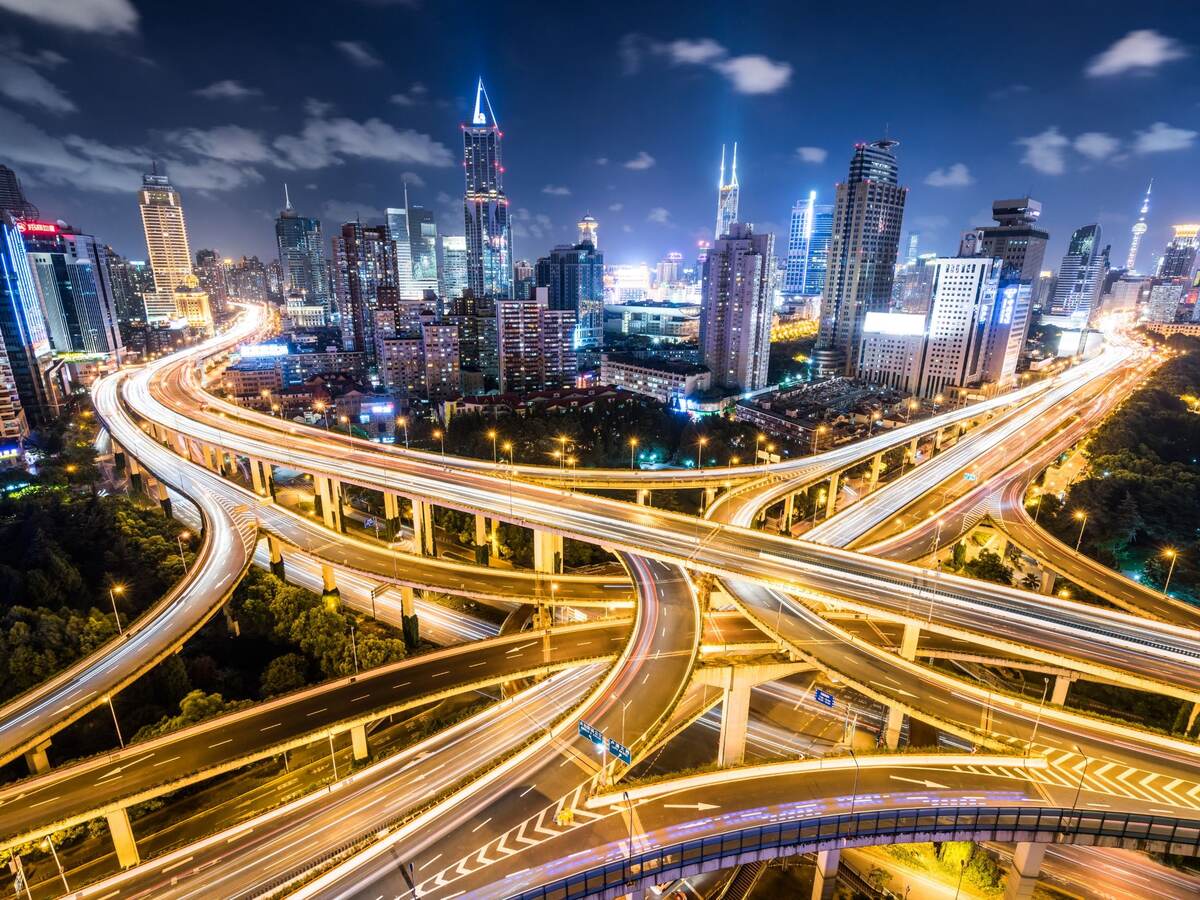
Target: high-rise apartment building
{"type": "Point", "coordinates": [489, 240]}
{"type": "Point", "coordinates": [737, 308]}
{"type": "Point", "coordinates": [478, 340]}
{"type": "Point", "coordinates": [166, 243]}
{"type": "Point", "coordinates": [727, 195]}
{"type": "Point", "coordinates": [867, 216]}
{"type": "Point", "coordinates": [1165, 296]}
{"type": "Point", "coordinates": [301, 256]}
{"type": "Point", "coordinates": [1080, 276]}
{"type": "Point", "coordinates": [23, 327]}
{"type": "Point", "coordinates": [964, 293]}
{"type": "Point", "coordinates": [1015, 238]}
{"type": "Point", "coordinates": [364, 260]}
{"type": "Point", "coordinates": [1180, 256]}
{"type": "Point", "coordinates": [808, 248]}
{"type": "Point", "coordinates": [12, 198]}
{"type": "Point", "coordinates": [1139, 230]}
{"type": "Point", "coordinates": [536, 345]}
{"type": "Point", "coordinates": [423, 241]}
{"type": "Point", "coordinates": [589, 231]}
{"type": "Point", "coordinates": [454, 268]}
{"type": "Point", "coordinates": [442, 357]}
{"type": "Point", "coordinates": [524, 280]}
{"type": "Point", "coordinates": [574, 277]}
{"type": "Point", "coordinates": [213, 279]}
{"type": "Point", "coordinates": [130, 279]}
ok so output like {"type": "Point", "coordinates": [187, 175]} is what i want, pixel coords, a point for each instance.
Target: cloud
{"type": "Point", "coordinates": [1163, 138]}
{"type": "Point", "coordinates": [751, 73]}
{"type": "Point", "coordinates": [317, 109]}
{"type": "Point", "coordinates": [602, 160]}
{"type": "Point", "coordinates": [327, 142]}
{"type": "Point", "coordinates": [532, 226]}
{"type": "Point", "coordinates": [414, 95]}
{"type": "Point", "coordinates": [340, 211]}
{"type": "Point", "coordinates": [228, 89]}
{"type": "Point", "coordinates": [1139, 51]}
{"type": "Point", "coordinates": [557, 190]}
{"type": "Point", "coordinates": [412, 179]}
{"type": "Point", "coordinates": [210, 174]}
{"type": "Point", "coordinates": [957, 175]}
{"type": "Point", "coordinates": [1096, 145]}
{"type": "Point", "coordinates": [811, 154]}
{"type": "Point", "coordinates": [360, 53]}
{"type": "Point", "coordinates": [1046, 152]}
{"type": "Point", "coordinates": [640, 162]}
{"type": "Point", "coordinates": [230, 143]}
{"type": "Point", "coordinates": [1009, 91]}
{"type": "Point", "coordinates": [21, 81]}
{"type": "Point", "coordinates": [659, 215]}
{"type": "Point", "coordinates": [94, 16]}
{"type": "Point", "coordinates": [616, 207]}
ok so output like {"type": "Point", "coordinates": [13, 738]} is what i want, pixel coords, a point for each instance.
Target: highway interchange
{"type": "Point", "coordinates": [523, 775]}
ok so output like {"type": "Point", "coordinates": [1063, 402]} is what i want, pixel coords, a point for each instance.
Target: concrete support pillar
{"type": "Point", "coordinates": [256, 478]}
{"type": "Point", "coordinates": [482, 548]}
{"type": "Point", "coordinates": [908, 642]}
{"type": "Point", "coordinates": [735, 718]}
{"type": "Point", "coordinates": [1058, 695]}
{"type": "Point", "coordinates": [825, 881]}
{"type": "Point", "coordinates": [409, 624]}
{"type": "Point", "coordinates": [37, 760]}
{"type": "Point", "coordinates": [938, 437]}
{"type": "Point", "coordinates": [494, 541]}
{"type": "Point", "coordinates": [136, 479]}
{"type": "Point", "coordinates": [164, 499]}
{"type": "Point", "coordinates": [122, 835]}
{"type": "Point", "coordinates": [328, 492]}
{"type": "Point", "coordinates": [212, 457]}
{"type": "Point", "coordinates": [710, 496]}
{"type": "Point", "coordinates": [895, 719]}
{"type": "Point", "coordinates": [118, 456]}
{"type": "Point", "coordinates": [1047, 585]}
{"type": "Point", "coordinates": [547, 552]}
{"type": "Point", "coordinates": [358, 741]}
{"type": "Point", "coordinates": [789, 511]}
{"type": "Point", "coordinates": [391, 515]}
{"type": "Point", "coordinates": [643, 496]}
{"type": "Point", "coordinates": [831, 497]}
{"type": "Point", "coordinates": [912, 451]}
{"type": "Point", "coordinates": [231, 464]}
{"type": "Point", "coordinates": [1026, 866]}
{"type": "Point", "coordinates": [329, 589]}
{"type": "Point", "coordinates": [423, 527]}
{"type": "Point", "coordinates": [275, 550]}
{"type": "Point", "coordinates": [876, 471]}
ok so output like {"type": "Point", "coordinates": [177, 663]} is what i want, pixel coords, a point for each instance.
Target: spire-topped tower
{"type": "Point", "coordinates": [287, 203]}
{"type": "Point", "coordinates": [1139, 229]}
{"type": "Point", "coordinates": [489, 243]}
{"type": "Point", "coordinates": [727, 195]}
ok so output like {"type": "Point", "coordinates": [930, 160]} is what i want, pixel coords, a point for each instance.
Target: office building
{"type": "Point", "coordinates": [589, 231]}
{"type": "Point", "coordinates": [454, 267]}
{"type": "Point", "coordinates": [1165, 296]}
{"type": "Point", "coordinates": [396, 219]}
{"type": "Point", "coordinates": [964, 293]}
{"type": "Point", "coordinates": [1007, 330]}
{"type": "Point", "coordinates": [301, 313]}
{"type": "Point", "coordinates": [536, 345]}
{"type": "Point", "coordinates": [248, 279]}
{"type": "Point", "coordinates": [629, 283]}
{"type": "Point", "coordinates": [867, 215]}
{"type": "Point", "coordinates": [1180, 256]}
{"type": "Point", "coordinates": [166, 243]}
{"type": "Point", "coordinates": [12, 197]}
{"type": "Point", "coordinates": [422, 242]}
{"type": "Point", "coordinates": [524, 280]}
{"type": "Point", "coordinates": [666, 381]}
{"type": "Point", "coordinates": [130, 280]}
{"type": "Point", "coordinates": [70, 270]}
{"type": "Point", "coordinates": [913, 287]}
{"type": "Point", "coordinates": [301, 257]}
{"type": "Point", "coordinates": [737, 308]}
{"type": "Point", "coordinates": [892, 349]}
{"type": "Point", "coordinates": [441, 355]}
{"type": "Point", "coordinates": [192, 304]}
{"type": "Point", "coordinates": [669, 270]}
{"type": "Point", "coordinates": [808, 248]}
{"type": "Point", "coordinates": [478, 340]}
{"type": "Point", "coordinates": [1015, 238]}
{"type": "Point", "coordinates": [914, 243]}
{"type": "Point", "coordinates": [574, 279]}
{"type": "Point", "coordinates": [727, 196]}
{"type": "Point", "coordinates": [489, 241]}
{"type": "Point", "coordinates": [665, 323]}
{"type": "Point", "coordinates": [1139, 230]}
{"type": "Point", "coordinates": [23, 328]}
{"type": "Point", "coordinates": [1080, 276]}
{"type": "Point", "coordinates": [214, 280]}
{"type": "Point", "coordinates": [364, 260]}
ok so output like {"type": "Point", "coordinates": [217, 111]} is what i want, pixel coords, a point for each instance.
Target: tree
{"type": "Point", "coordinates": [988, 566]}
{"type": "Point", "coordinates": [1031, 582]}
{"type": "Point", "coordinates": [284, 673]}
{"type": "Point", "coordinates": [195, 707]}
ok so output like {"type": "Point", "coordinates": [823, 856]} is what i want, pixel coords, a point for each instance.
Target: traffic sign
{"type": "Point", "coordinates": [620, 751]}
{"type": "Point", "coordinates": [823, 697]}
{"type": "Point", "coordinates": [592, 734]}
{"type": "Point", "coordinates": [969, 476]}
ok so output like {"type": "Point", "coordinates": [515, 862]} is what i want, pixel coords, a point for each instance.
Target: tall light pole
{"type": "Point", "coordinates": [758, 439]}
{"type": "Point", "coordinates": [1082, 775]}
{"type": "Point", "coordinates": [1038, 720]}
{"type": "Point", "coordinates": [354, 647]}
{"type": "Point", "coordinates": [441, 436]}
{"type": "Point", "coordinates": [817, 432]}
{"type": "Point", "coordinates": [179, 543]}
{"type": "Point", "coordinates": [404, 424]}
{"type": "Point", "coordinates": [1037, 509]}
{"type": "Point", "coordinates": [1171, 554]}
{"type": "Point", "coordinates": [113, 590]}
{"type": "Point", "coordinates": [495, 456]}
{"type": "Point", "coordinates": [54, 853]}
{"type": "Point", "coordinates": [1081, 517]}
{"type": "Point", "coordinates": [633, 442]}
{"type": "Point", "coordinates": [116, 724]}
{"type": "Point", "coordinates": [700, 445]}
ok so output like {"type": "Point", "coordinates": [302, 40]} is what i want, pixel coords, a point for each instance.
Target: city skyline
{"type": "Point", "coordinates": [1083, 131]}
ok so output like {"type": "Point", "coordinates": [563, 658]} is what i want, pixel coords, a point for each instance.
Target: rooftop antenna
{"type": "Point", "coordinates": [287, 201]}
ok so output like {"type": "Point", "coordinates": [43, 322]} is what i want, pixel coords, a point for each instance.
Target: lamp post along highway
{"type": "Point", "coordinates": [61, 874]}
{"type": "Point", "coordinates": [700, 445]}
{"type": "Point", "coordinates": [116, 724]}
{"type": "Point", "coordinates": [404, 424]}
{"type": "Point", "coordinates": [441, 436]}
{"type": "Point", "coordinates": [1038, 720]}
{"type": "Point", "coordinates": [112, 592]}
{"type": "Point", "coordinates": [179, 542]}
{"type": "Point", "coordinates": [1172, 555]}
{"type": "Point", "coordinates": [633, 442]}
{"type": "Point", "coordinates": [1081, 517]}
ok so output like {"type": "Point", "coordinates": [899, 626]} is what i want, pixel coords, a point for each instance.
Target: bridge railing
{"type": "Point", "coordinates": [894, 826]}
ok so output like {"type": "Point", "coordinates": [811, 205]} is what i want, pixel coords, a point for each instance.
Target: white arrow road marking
{"type": "Point", "coordinates": [922, 782]}
{"type": "Point", "coordinates": [696, 806]}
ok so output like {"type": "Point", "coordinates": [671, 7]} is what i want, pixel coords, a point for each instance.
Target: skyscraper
{"type": "Point", "coordinates": [454, 268]}
{"type": "Point", "coordinates": [589, 231]}
{"type": "Point", "coordinates": [422, 242]}
{"type": "Point", "coordinates": [1080, 275]}
{"type": "Point", "coordinates": [397, 224]}
{"type": "Point", "coordinates": [489, 242]}
{"type": "Point", "coordinates": [1180, 255]}
{"type": "Point", "coordinates": [129, 280]}
{"type": "Point", "coordinates": [964, 292]}
{"type": "Point", "coordinates": [166, 242]}
{"type": "Point", "coordinates": [868, 211]}
{"type": "Point", "coordinates": [12, 198]}
{"type": "Point", "coordinates": [1015, 238]}
{"type": "Point", "coordinates": [727, 195]}
{"type": "Point", "coordinates": [1139, 229]}
{"type": "Point", "coordinates": [574, 277]}
{"type": "Point", "coordinates": [808, 248]}
{"type": "Point", "coordinates": [301, 256]}
{"type": "Point", "coordinates": [364, 260]}
{"type": "Point", "coordinates": [23, 328]}
{"type": "Point", "coordinates": [737, 308]}
{"type": "Point", "coordinates": [213, 278]}
{"type": "Point", "coordinates": [536, 344]}
{"type": "Point", "coordinates": [914, 242]}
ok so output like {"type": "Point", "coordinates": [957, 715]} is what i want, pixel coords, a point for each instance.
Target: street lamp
{"type": "Point", "coordinates": [758, 440]}
{"type": "Point", "coordinates": [1082, 775]}
{"type": "Point", "coordinates": [61, 874]}
{"type": "Point", "coordinates": [1081, 518]}
{"type": "Point", "coordinates": [507, 447]}
{"type": "Point", "coordinates": [116, 724]}
{"type": "Point", "coordinates": [345, 420]}
{"type": "Point", "coordinates": [700, 445]}
{"type": "Point", "coordinates": [320, 407]}
{"type": "Point", "coordinates": [911, 407]}
{"type": "Point", "coordinates": [492, 434]}
{"type": "Point", "coordinates": [179, 538]}
{"type": "Point", "coordinates": [633, 442]}
{"type": "Point", "coordinates": [441, 436]}
{"type": "Point", "coordinates": [562, 439]}
{"type": "Point", "coordinates": [1037, 509]}
{"type": "Point", "coordinates": [1038, 720]}
{"type": "Point", "coordinates": [113, 590]}
{"type": "Point", "coordinates": [817, 432]}
{"type": "Point", "coordinates": [1171, 554]}
{"type": "Point", "coordinates": [404, 424]}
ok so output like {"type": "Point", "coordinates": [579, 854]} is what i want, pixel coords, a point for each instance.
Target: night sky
{"type": "Point", "coordinates": [618, 111]}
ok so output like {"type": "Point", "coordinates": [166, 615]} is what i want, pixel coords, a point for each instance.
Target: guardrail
{"type": "Point", "coordinates": [894, 826]}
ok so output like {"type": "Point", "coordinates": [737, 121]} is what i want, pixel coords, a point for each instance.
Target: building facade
{"type": "Point", "coordinates": [364, 259]}
{"type": "Point", "coordinates": [1080, 276]}
{"type": "Point", "coordinates": [170, 256]}
{"type": "Point", "coordinates": [23, 328]}
{"type": "Point", "coordinates": [808, 248]}
{"type": "Point", "coordinates": [727, 196]}
{"type": "Point", "coordinates": [489, 240]}
{"type": "Point", "coordinates": [454, 268]}
{"type": "Point", "coordinates": [667, 382]}
{"type": "Point", "coordinates": [574, 279]}
{"type": "Point", "coordinates": [1180, 256]}
{"type": "Point", "coordinates": [536, 345]}
{"type": "Point", "coordinates": [737, 308]}
{"type": "Point", "coordinates": [301, 257]}
{"type": "Point", "coordinates": [964, 293]}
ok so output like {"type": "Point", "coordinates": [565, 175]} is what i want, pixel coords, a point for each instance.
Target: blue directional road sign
{"type": "Point", "coordinates": [620, 751]}
{"type": "Point", "coordinates": [969, 476]}
{"type": "Point", "coordinates": [592, 734]}
{"type": "Point", "coordinates": [823, 697]}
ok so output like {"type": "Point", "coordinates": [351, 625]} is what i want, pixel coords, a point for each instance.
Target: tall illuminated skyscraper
{"type": "Point", "coordinates": [736, 308]}
{"type": "Point", "coordinates": [454, 267]}
{"type": "Point", "coordinates": [422, 242]}
{"type": "Point", "coordinates": [862, 252]}
{"type": "Point", "coordinates": [589, 231]}
{"type": "Point", "coordinates": [1180, 255]}
{"type": "Point", "coordinates": [301, 256]}
{"type": "Point", "coordinates": [489, 240]}
{"type": "Point", "coordinates": [727, 195]}
{"type": "Point", "coordinates": [1080, 275]}
{"type": "Point", "coordinates": [1139, 229]}
{"type": "Point", "coordinates": [166, 242]}
{"type": "Point", "coordinates": [808, 248]}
